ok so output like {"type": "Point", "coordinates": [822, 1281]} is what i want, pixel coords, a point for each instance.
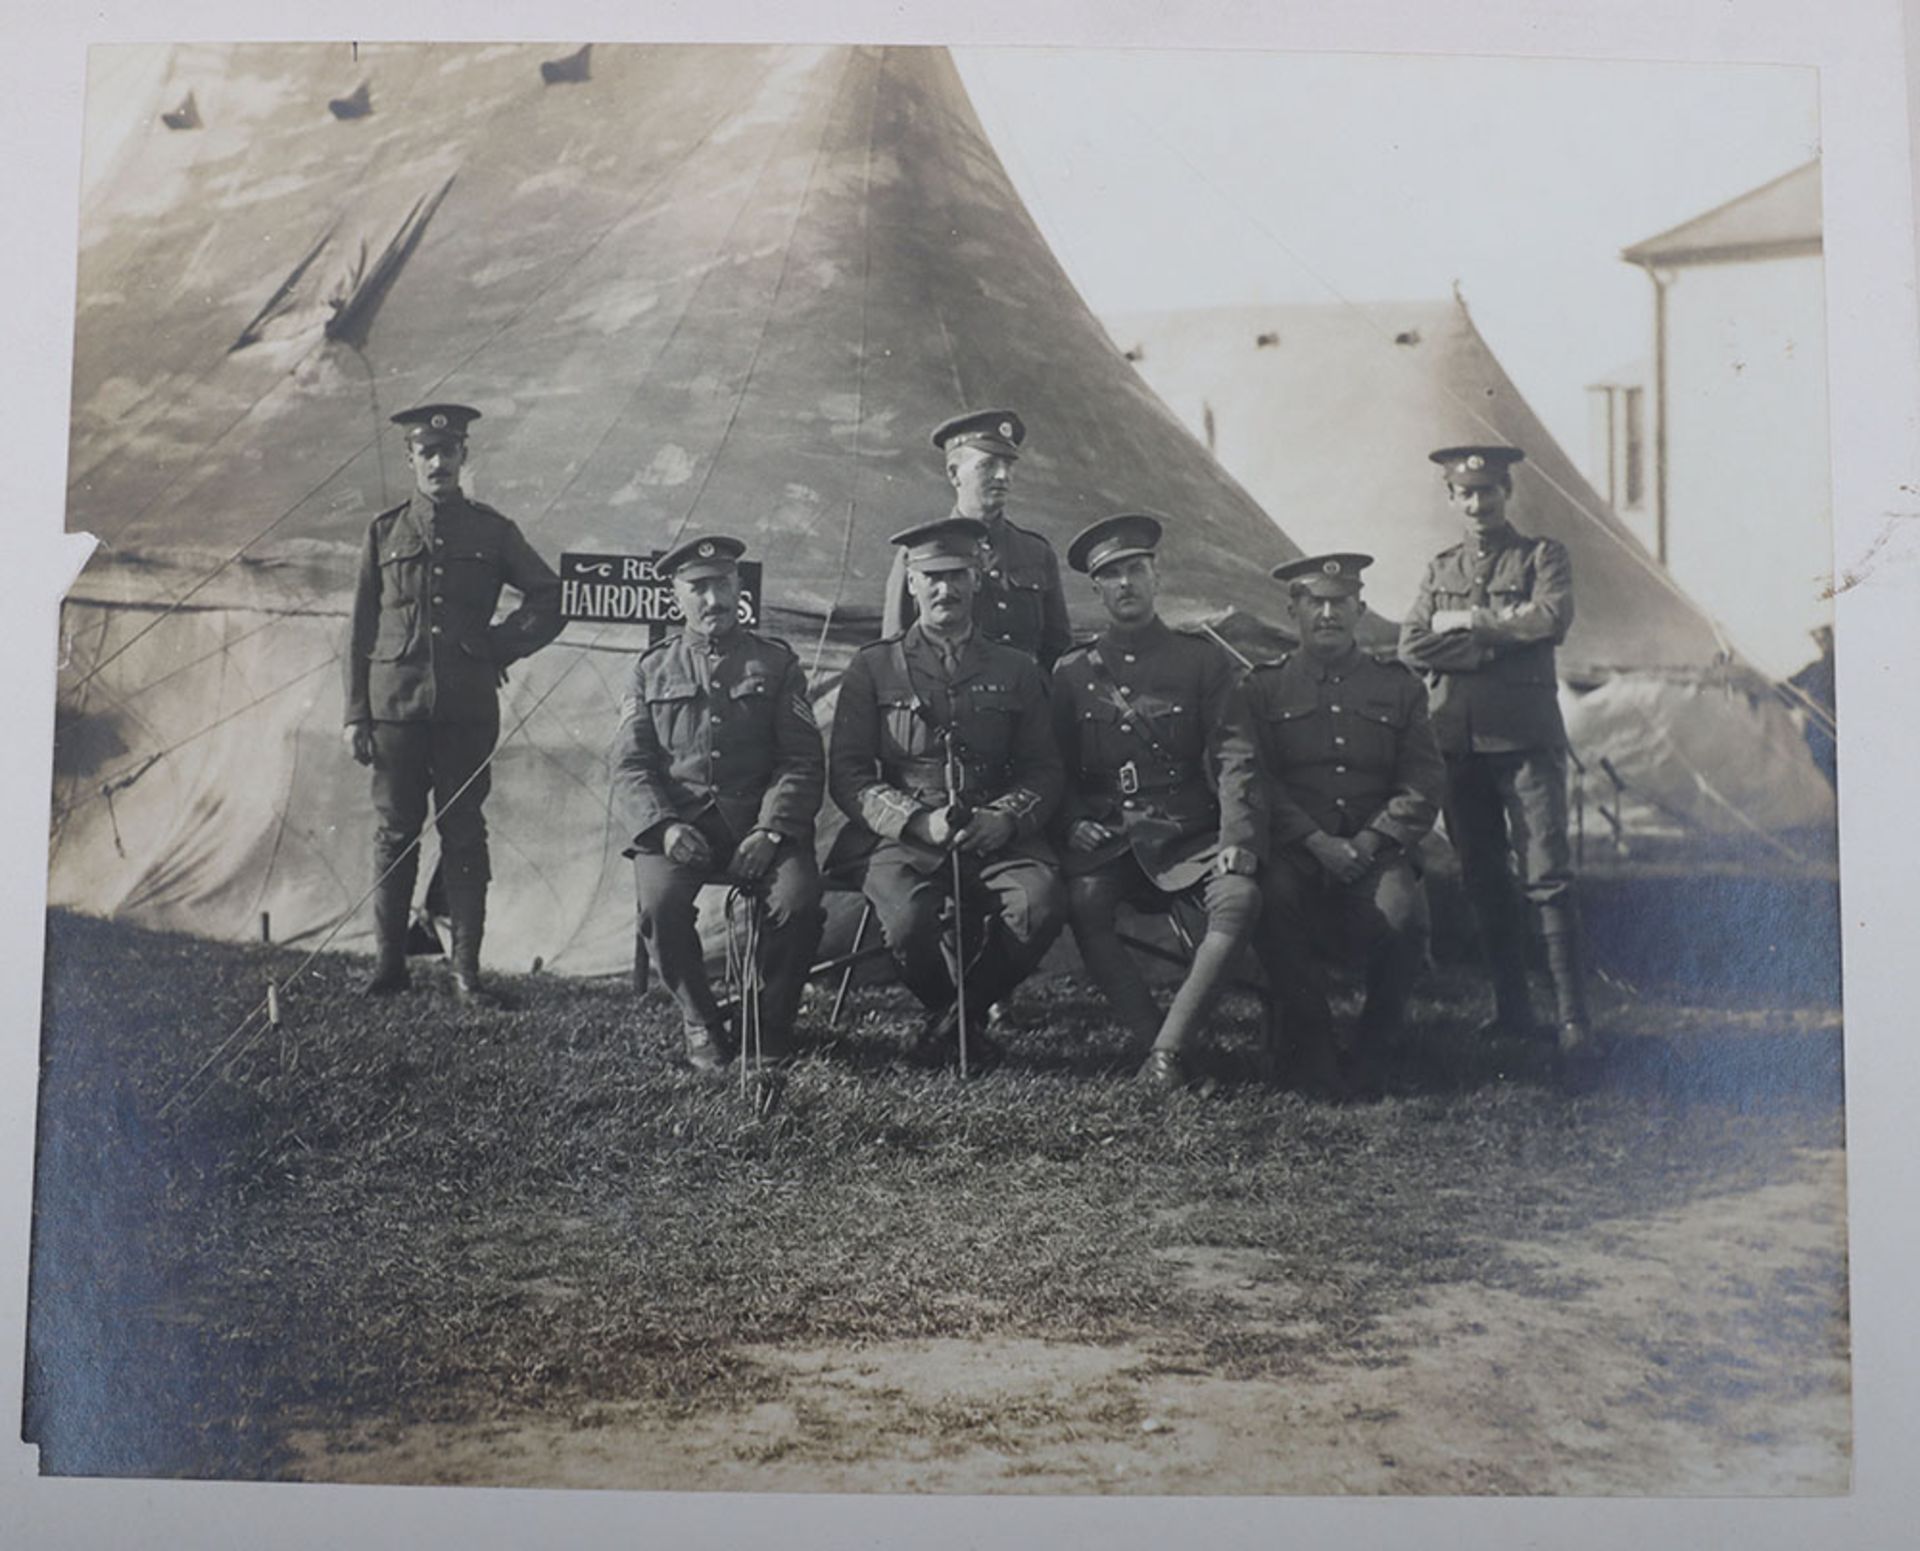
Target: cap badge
{"type": "Point", "coordinates": [1331, 567]}
{"type": "Point", "coordinates": [706, 549]}
{"type": "Point", "coordinates": [438, 422]}
{"type": "Point", "coordinates": [1006, 428]}
{"type": "Point", "coordinates": [1476, 462]}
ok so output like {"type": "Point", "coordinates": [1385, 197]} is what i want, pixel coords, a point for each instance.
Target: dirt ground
{"type": "Point", "coordinates": [1688, 1352]}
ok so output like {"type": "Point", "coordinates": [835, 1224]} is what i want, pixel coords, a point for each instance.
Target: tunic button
{"type": "Point", "coordinates": [1000, 603]}
{"type": "Point", "coordinates": [439, 570]}
{"type": "Point", "coordinates": [1129, 803]}
{"type": "Point", "coordinates": [436, 629]}
{"type": "Point", "coordinates": [1333, 708]}
{"type": "Point", "coordinates": [1338, 742]}
{"type": "Point", "coordinates": [1126, 656]}
{"type": "Point", "coordinates": [716, 718]}
{"type": "Point", "coordinates": [438, 599]}
{"type": "Point", "coordinates": [1126, 726]}
{"type": "Point", "coordinates": [439, 543]}
{"type": "Point", "coordinates": [1339, 769]}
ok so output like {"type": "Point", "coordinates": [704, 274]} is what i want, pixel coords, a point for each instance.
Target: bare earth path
{"type": "Point", "coordinates": [1696, 1351]}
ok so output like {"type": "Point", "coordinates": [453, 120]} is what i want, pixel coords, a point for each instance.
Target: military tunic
{"type": "Point", "coordinates": [1154, 733]}
{"type": "Point", "coordinates": [1021, 601]}
{"type": "Point", "coordinates": [423, 644]}
{"type": "Point", "coordinates": [725, 727]}
{"type": "Point", "coordinates": [1494, 690]}
{"type": "Point", "coordinates": [1496, 716]}
{"type": "Point", "coordinates": [423, 665]}
{"type": "Point", "coordinates": [1153, 728]}
{"type": "Point", "coordinates": [1347, 751]}
{"type": "Point", "coordinates": [887, 763]}
{"type": "Point", "coordinates": [1346, 746]}
{"type": "Point", "coordinates": [720, 734]}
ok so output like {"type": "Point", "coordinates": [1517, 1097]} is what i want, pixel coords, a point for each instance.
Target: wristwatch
{"type": "Point", "coordinates": [1239, 862]}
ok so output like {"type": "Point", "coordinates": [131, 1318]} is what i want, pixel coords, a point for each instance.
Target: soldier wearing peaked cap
{"type": "Point", "coordinates": [424, 662]}
{"type": "Point", "coordinates": [718, 771]}
{"type": "Point", "coordinates": [1483, 628]}
{"type": "Point", "coordinates": [1163, 807]}
{"type": "Point", "coordinates": [942, 745]}
{"type": "Point", "coordinates": [1353, 784]}
{"type": "Point", "coordinates": [1021, 600]}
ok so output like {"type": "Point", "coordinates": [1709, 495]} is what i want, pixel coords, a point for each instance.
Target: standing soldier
{"type": "Point", "coordinates": [1482, 629]}
{"type": "Point", "coordinates": [718, 770]}
{"type": "Point", "coordinates": [1354, 782]}
{"type": "Point", "coordinates": [424, 664]}
{"type": "Point", "coordinates": [1162, 806]}
{"type": "Point", "coordinates": [1021, 601]}
{"type": "Point", "coordinates": [942, 745]}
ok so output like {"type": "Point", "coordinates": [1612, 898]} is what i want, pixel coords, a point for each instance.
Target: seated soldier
{"type": "Point", "coordinates": [1163, 802]}
{"type": "Point", "coordinates": [1353, 782]}
{"type": "Point", "coordinates": [718, 769]}
{"type": "Point", "coordinates": [941, 747]}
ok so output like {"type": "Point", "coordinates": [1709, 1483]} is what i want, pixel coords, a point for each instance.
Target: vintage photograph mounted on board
{"type": "Point", "coordinates": [891, 769]}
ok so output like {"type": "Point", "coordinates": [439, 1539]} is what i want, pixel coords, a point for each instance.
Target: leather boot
{"type": "Point", "coordinates": [1512, 1001]}
{"type": "Point", "coordinates": [1567, 965]}
{"type": "Point", "coordinates": [392, 903]}
{"type": "Point", "coordinates": [467, 911]}
{"type": "Point", "coordinates": [1503, 937]}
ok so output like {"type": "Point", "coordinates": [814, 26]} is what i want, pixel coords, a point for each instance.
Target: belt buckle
{"type": "Point", "coordinates": [1129, 778]}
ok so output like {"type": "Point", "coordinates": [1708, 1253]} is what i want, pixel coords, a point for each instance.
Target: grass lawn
{"type": "Point", "coordinates": [402, 1210]}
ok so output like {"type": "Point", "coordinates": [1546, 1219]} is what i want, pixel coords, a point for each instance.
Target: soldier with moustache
{"type": "Point", "coordinates": [907, 701]}
{"type": "Point", "coordinates": [1163, 806]}
{"type": "Point", "coordinates": [424, 662]}
{"type": "Point", "coordinates": [1021, 601]}
{"type": "Point", "coordinates": [1482, 629]}
{"type": "Point", "coordinates": [1353, 784]}
{"type": "Point", "coordinates": [718, 772]}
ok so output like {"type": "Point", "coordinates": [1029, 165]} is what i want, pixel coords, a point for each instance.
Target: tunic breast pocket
{"type": "Point", "coordinates": [1172, 723]}
{"type": "Point", "coordinates": [1378, 725]}
{"type": "Point", "coordinates": [1101, 741]}
{"type": "Point", "coordinates": [1017, 604]}
{"type": "Point", "coordinates": [904, 730]}
{"type": "Point", "coordinates": [1290, 732]}
{"type": "Point", "coordinates": [675, 707]}
{"type": "Point", "coordinates": [991, 710]}
{"type": "Point", "coordinates": [752, 700]}
{"type": "Point", "coordinates": [471, 580]}
{"type": "Point", "coordinates": [402, 565]}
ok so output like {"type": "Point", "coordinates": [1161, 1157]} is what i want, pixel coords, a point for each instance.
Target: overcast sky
{"type": "Point", "coordinates": [1206, 179]}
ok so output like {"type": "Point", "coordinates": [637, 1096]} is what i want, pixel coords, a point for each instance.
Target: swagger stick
{"type": "Point", "coordinates": [743, 970]}
{"type": "Point", "coordinates": [959, 815]}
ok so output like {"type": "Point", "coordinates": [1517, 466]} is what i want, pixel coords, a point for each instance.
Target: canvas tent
{"type": "Point", "coordinates": [1326, 412]}
{"type": "Point", "coordinates": [690, 288]}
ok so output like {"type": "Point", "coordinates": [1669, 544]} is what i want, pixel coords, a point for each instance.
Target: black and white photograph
{"type": "Point", "coordinates": [932, 768]}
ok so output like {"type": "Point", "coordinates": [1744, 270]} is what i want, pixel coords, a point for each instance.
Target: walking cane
{"type": "Point", "coordinates": [750, 993]}
{"type": "Point", "coordinates": [959, 815]}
